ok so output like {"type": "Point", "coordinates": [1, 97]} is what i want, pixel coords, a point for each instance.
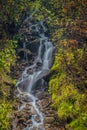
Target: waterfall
{"type": "Point", "coordinates": [33, 73]}
{"type": "Point", "coordinates": [25, 53]}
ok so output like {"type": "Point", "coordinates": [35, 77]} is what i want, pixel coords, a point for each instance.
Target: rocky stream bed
{"type": "Point", "coordinates": [22, 117]}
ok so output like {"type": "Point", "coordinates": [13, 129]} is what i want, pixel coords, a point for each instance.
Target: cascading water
{"type": "Point", "coordinates": [25, 53]}
{"type": "Point", "coordinates": [33, 73]}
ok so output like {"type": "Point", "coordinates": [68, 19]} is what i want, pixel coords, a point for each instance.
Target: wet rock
{"type": "Point", "coordinates": [21, 120]}
{"type": "Point", "coordinates": [26, 99]}
{"type": "Point", "coordinates": [49, 120]}
{"type": "Point", "coordinates": [37, 119]}
{"type": "Point", "coordinates": [39, 64]}
{"type": "Point", "coordinates": [30, 71]}
{"type": "Point", "coordinates": [23, 85]}
{"type": "Point", "coordinates": [33, 112]}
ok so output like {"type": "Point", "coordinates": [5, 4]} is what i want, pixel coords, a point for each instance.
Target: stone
{"type": "Point", "coordinates": [30, 71]}
{"type": "Point", "coordinates": [39, 64]}
{"type": "Point", "coordinates": [37, 118]}
{"type": "Point", "coordinates": [49, 120]}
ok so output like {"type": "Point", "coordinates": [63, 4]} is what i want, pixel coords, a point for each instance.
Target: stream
{"type": "Point", "coordinates": [34, 74]}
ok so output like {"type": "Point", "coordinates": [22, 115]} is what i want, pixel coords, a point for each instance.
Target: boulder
{"type": "Point", "coordinates": [49, 120]}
